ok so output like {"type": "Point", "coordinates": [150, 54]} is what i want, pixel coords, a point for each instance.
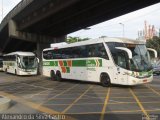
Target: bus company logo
{"type": "Point", "coordinates": [90, 63]}
{"type": "Point", "coordinates": [46, 63]}
{"type": "Point", "coordinates": [93, 63]}
{"type": "Point", "coordinates": [145, 74]}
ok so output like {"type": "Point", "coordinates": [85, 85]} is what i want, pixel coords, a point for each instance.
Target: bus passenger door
{"type": "Point", "coordinates": [121, 71]}
{"type": "Point", "coordinates": [121, 76]}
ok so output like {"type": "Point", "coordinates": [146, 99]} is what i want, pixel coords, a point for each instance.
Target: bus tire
{"type": "Point", "coordinates": [15, 72]}
{"type": "Point", "coordinates": [6, 70]}
{"type": "Point", "coordinates": [58, 76]}
{"type": "Point", "coordinates": [105, 80]}
{"type": "Point", "coordinates": [53, 77]}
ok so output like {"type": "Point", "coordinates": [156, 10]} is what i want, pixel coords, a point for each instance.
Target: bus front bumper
{"type": "Point", "coordinates": [28, 73]}
{"type": "Point", "coordinates": [138, 81]}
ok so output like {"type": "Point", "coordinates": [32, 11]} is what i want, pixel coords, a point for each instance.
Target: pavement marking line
{"type": "Point", "coordinates": [105, 97]}
{"type": "Point", "coordinates": [142, 92]}
{"type": "Point", "coordinates": [35, 106]}
{"type": "Point", "coordinates": [87, 113]}
{"type": "Point", "coordinates": [139, 103]}
{"type": "Point", "coordinates": [154, 110]}
{"type": "Point", "coordinates": [52, 98]}
{"type": "Point", "coordinates": [43, 91]}
{"type": "Point", "coordinates": [65, 110]}
{"type": "Point", "coordinates": [37, 86]}
{"type": "Point", "coordinates": [105, 104]}
{"type": "Point", "coordinates": [38, 93]}
{"type": "Point", "coordinates": [62, 92]}
{"type": "Point", "coordinates": [114, 101]}
{"type": "Point", "coordinates": [153, 90]}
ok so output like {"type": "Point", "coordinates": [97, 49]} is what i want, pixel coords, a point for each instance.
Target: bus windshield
{"type": "Point", "coordinates": [29, 62]}
{"type": "Point", "coordinates": [140, 60]}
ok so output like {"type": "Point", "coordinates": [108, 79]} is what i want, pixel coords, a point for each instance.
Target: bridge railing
{"type": "Point", "coordinates": [19, 7]}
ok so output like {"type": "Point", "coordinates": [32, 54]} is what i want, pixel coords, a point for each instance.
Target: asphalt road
{"type": "Point", "coordinates": [80, 100]}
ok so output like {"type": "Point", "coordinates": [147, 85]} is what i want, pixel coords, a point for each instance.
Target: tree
{"type": "Point", "coordinates": [154, 43]}
{"type": "Point", "coordinates": [103, 37]}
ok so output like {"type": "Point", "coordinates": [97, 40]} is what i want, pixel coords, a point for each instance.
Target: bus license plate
{"type": "Point", "coordinates": [144, 81]}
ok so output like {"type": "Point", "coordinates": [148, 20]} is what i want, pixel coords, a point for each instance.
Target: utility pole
{"type": "Point", "coordinates": [2, 8]}
{"type": "Point", "coordinates": [123, 28]}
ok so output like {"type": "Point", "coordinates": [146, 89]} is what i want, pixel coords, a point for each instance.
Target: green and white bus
{"type": "Point", "coordinates": [20, 63]}
{"type": "Point", "coordinates": [104, 60]}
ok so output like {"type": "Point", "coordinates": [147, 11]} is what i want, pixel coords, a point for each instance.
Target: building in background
{"type": "Point", "coordinates": [148, 32]}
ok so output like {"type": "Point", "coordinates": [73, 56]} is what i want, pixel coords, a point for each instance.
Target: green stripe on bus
{"type": "Point", "coordinates": [68, 69]}
{"type": "Point", "coordinates": [79, 63]}
{"type": "Point", "coordinates": [65, 63]}
{"type": "Point", "coordinates": [76, 63]}
{"type": "Point", "coordinates": [142, 73]}
{"type": "Point", "coordinates": [100, 61]}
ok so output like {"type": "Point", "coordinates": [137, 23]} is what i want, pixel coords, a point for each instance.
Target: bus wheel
{"type": "Point", "coordinates": [6, 70]}
{"type": "Point", "coordinates": [53, 75]}
{"type": "Point", "coordinates": [105, 80]}
{"type": "Point", "coordinates": [15, 72]}
{"type": "Point", "coordinates": [58, 76]}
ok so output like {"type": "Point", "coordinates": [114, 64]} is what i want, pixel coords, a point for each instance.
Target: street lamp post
{"type": "Point", "coordinates": [123, 28]}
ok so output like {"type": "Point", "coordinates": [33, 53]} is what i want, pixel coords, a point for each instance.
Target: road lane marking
{"type": "Point", "coordinates": [45, 91]}
{"type": "Point", "coordinates": [115, 111]}
{"type": "Point", "coordinates": [139, 103]}
{"type": "Point", "coordinates": [31, 96]}
{"type": "Point", "coordinates": [35, 106]}
{"type": "Point", "coordinates": [35, 86]}
{"type": "Point", "coordinates": [154, 102]}
{"type": "Point", "coordinates": [62, 92]}
{"type": "Point", "coordinates": [114, 101]}
{"type": "Point", "coordinates": [153, 90]}
{"type": "Point", "coordinates": [105, 104]}
{"type": "Point", "coordinates": [76, 100]}
{"type": "Point", "coordinates": [71, 98]}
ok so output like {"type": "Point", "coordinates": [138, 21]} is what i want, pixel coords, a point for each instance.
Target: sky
{"type": "Point", "coordinates": [132, 22]}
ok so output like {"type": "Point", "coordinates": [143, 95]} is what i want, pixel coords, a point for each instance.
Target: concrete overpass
{"type": "Point", "coordinates": [33, 24]}
{"type": "Point", "coordinates": [48, 21]}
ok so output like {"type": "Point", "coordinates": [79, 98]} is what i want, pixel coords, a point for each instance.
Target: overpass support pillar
{"type": "Point", "coordinates": [40, 47]}
{"type": "Point", "coordinates": [46, 43]}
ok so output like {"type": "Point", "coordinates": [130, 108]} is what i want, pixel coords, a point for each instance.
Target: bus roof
{"type": "Point", "coordinates": [21, 54]}
{"type": "Point", "coordinates": [100, 40]}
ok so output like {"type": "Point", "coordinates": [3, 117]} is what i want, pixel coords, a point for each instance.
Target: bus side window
{"type": "Point", "coordinates": [91, 51]}
{"type": "Point", "coordinates": [122, 59]}
{"type": "Point", "coordinates": [102, 52]}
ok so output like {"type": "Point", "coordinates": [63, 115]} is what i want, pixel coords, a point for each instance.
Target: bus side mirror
{"type": "Point", "coordinates": [126, 50]}
{"type": "Point", "coordinates": [154, 51]}
{"type": "Point", "coordinates": [37, 60]}
{"type": "Point", "coordinates": [19, 60]}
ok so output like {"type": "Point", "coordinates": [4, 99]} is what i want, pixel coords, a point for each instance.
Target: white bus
{"type": "Point", "coordinates": [20, 63]}
{"type": "Point", "coordinates": [1, 63]}
{"type": "Point", "coordinates": [104, 60]}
